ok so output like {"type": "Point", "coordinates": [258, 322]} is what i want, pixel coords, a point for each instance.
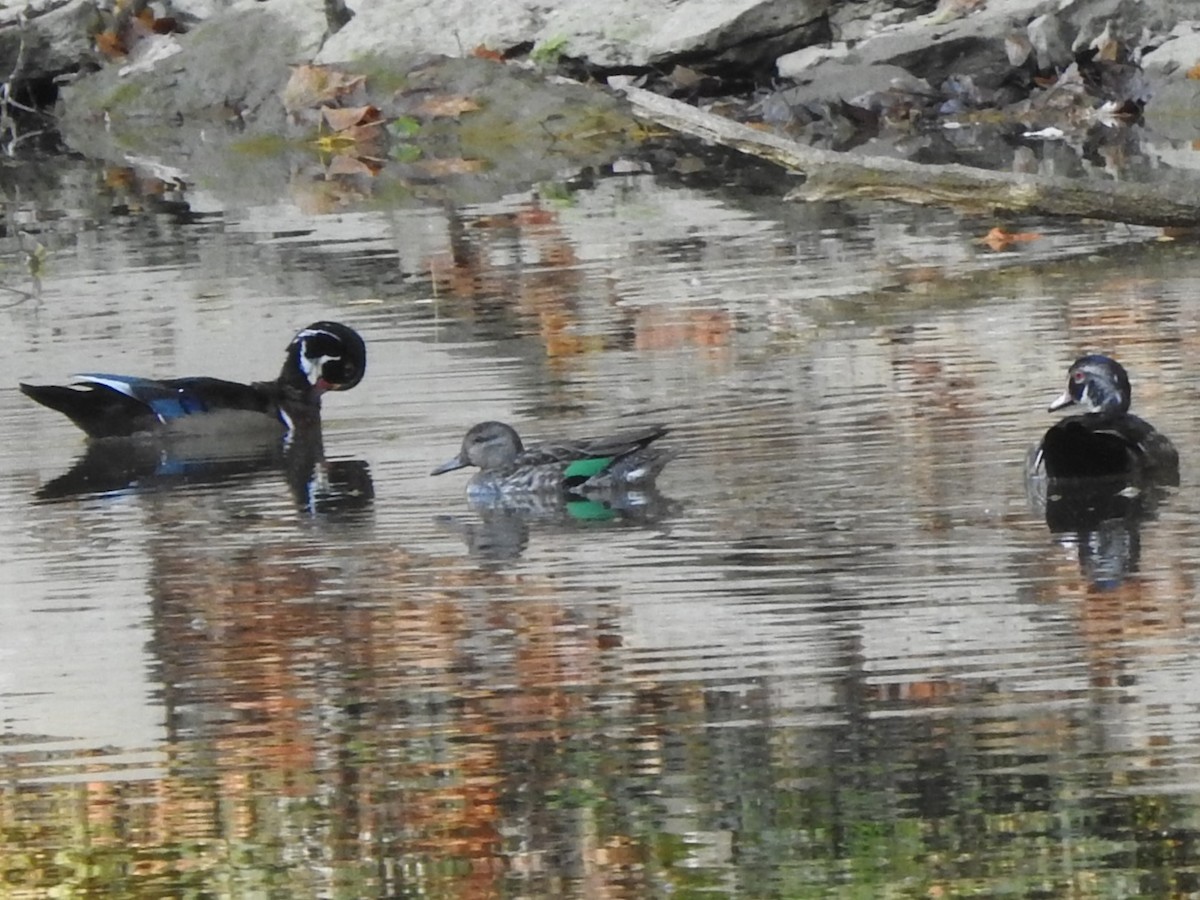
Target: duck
{"type": "Point", "coordinates": [606, 463]}
{"type": "Point", "coordinates": [1105, 440]}
{"type": "Point", "coordinates": [324, 356]}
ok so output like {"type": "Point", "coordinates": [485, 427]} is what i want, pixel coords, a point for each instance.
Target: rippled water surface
{"type": "Point", "coordinates": [840, 655]}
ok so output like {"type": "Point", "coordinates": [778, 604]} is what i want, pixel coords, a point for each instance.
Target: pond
{"type": "Point", "coordinates": [838, 652]}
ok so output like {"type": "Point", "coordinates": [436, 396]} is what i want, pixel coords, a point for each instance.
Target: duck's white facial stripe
{"type": "Point", "coordinates": [1096, 404]}
{"type": "Point", "coordinates": [1085, 399]}
{"type": "Point", "coordinates": [314, 367]}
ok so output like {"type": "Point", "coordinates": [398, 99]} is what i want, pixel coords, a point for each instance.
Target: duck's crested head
{"type": "Point", "coordinates": [488, 445]}
{"type": "Point", "coordinates": [1098, 384]}
{"type": "Point", "coordinates": [329, 356]}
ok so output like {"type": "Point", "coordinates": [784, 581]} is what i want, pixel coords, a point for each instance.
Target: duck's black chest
{"type": "Point", "coordinates": [1094, 446]}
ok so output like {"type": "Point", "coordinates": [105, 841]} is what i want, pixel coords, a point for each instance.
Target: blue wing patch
{"type": "Point", "coordinates": [165, 401]}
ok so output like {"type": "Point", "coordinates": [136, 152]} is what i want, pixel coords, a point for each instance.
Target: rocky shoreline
{"type": "Point", "coordinates": [204, 70]}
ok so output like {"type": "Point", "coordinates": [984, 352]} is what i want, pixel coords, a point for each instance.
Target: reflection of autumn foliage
{"type": "Point", "coordinates": [546, 290]}
{"type": "Point", "coordinates": [1000, 239]}
{"type": "Point", "coordinates": [669, 329]}
{"type": "Point", "coordinates": [541, 291]}
{"type": "Point", "coordinates": [418, 724]}
{"type": "Point", "coordinates": [134, 191]}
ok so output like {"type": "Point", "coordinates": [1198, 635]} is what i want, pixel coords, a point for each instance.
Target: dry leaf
{"type": "Point", "coordinates": [535, 216]}
{"type": "Point", "coordinates": [483, 52]}
{"type": "Point", "coordinates": [342, 119]}
{"type": "Point", "coordinates": [119, 177]}
{"type": "Point", "coordinates": [1194, 72]}
{"type": "Point", "coordinates": [109, 45]}
{"type": "Point", "coordinates": [998, 239]}
{"type": "Point", "coordinates": [313, 86]}
{"type": "Point", "coordinates": [450, 105]}
{"type": "Point", "coordinates": [345, 164]}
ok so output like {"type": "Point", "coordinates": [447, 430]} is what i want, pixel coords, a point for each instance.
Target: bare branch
{"type": "Point", "coordinates": [844, 176]}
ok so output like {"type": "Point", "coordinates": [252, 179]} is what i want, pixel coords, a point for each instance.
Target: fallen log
{"type": "Point", "coordinates": [830, 175]}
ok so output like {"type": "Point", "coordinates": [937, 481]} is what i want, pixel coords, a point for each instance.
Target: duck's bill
{"type": "Point", "coordinates": [1065, 400]}
{"type": "Point", "coordinates": [449, 466]}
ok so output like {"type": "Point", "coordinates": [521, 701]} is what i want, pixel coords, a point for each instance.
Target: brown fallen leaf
{"type": "Point", "coordinates": [1194, 72]}
{"type": "Point", "coordinates": [342, 119]}
{"type": "Point", "coordinates": [312, 86]}
{"type": "Point", "coordinates": [535, 216]}
{"type": "Point", "coordinates": [445, 105]}
{"type": "Point", "coordinates": [345, 164]}
{"type": "Point", "coordinates": [124, 34]}
{"type": "Point", "coordinates": [483, 52]}
{"type": "Point", "coordinates": [119, 177]}
{"type": "Point", "coordinates": [109, 45]}
{"type": "Point", "coordinates": [998, 239]}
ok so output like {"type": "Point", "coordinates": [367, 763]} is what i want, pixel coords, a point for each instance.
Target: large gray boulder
{"type": "Point", "coordinates": [622, 34]}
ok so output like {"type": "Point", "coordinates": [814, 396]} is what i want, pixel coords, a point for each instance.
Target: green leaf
{"type": "Point", "coordinates": [550, 52]}
{"type": "Point", "coordinates": [404, 126]}
{"type": "Point", "coordinates": [405, 153]}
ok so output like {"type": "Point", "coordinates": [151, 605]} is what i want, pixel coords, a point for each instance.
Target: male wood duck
{"type": "Point", "coordinates": [325, 356]}
{"type": "Point", "coordinates": [1105, 440]}
{"type": "Point", "coordinates": [609, 462]}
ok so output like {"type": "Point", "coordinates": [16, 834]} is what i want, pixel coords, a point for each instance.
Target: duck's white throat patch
{"type": "Point", "coordinates": [313, 367]}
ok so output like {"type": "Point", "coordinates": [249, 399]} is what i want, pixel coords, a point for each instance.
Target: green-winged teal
{"type": "Point", "coordinates": [608, 462]}
{"type": "Point", "coordinates": [1105, 440]}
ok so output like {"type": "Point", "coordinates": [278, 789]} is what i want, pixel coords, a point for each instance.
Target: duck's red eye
{"type": "Point", "coordinates": [1078, 377]}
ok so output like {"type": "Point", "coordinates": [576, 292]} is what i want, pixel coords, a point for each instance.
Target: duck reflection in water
{"type": "Point", "coordinates": [501, 527]}
{"type": "Point", "coordinates": [148, 463]}
{"type": "Point", "coordinates": [1102, 472]}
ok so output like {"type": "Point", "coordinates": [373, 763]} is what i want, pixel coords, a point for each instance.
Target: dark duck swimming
{"type": "Point", "coordinates": [325, 356]}
{"type": "Point", "coordinates": [1105, 440]}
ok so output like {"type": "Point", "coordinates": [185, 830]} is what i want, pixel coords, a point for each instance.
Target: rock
{"type": "Point", "coordinates": [56, 38]}
{"type": "Point", "coordinates": [448, 28]}
{"type": "Point", "coordinates": [846, 80]}
{"type": "Point", "coordinates": [1173, 110]}
{"type": "Point", "coordinates": [1050, 45]}
{"type": "Point", "coordinates": [1179, 52]}
{"type": "Point", "coordinates": [627, 34]}
{"type": "Point", "coordinates": [747, 33]}
{"type": "Point", "coordinates": [230, 69]}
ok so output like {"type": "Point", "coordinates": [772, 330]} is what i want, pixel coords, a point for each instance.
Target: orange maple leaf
{"type": "Point", "coordinates": [487, 53]}
{"type": "Point", "coordinates": [998, 239]}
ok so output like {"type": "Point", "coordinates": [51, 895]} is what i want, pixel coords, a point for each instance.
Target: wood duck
{"type": "Point", "coordinates": [1105, 440]}
{"type": "Point", "coordinates": [609, 462]}
{"type": "Point", "coordinates": [325, 356]}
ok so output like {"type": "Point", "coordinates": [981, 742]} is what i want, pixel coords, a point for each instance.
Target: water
{"type": "Point", "coordinates": [841, 655]}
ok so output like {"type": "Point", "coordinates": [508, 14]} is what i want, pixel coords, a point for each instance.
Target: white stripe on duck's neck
{"type": "Point", "coordinates": [313, 367]}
